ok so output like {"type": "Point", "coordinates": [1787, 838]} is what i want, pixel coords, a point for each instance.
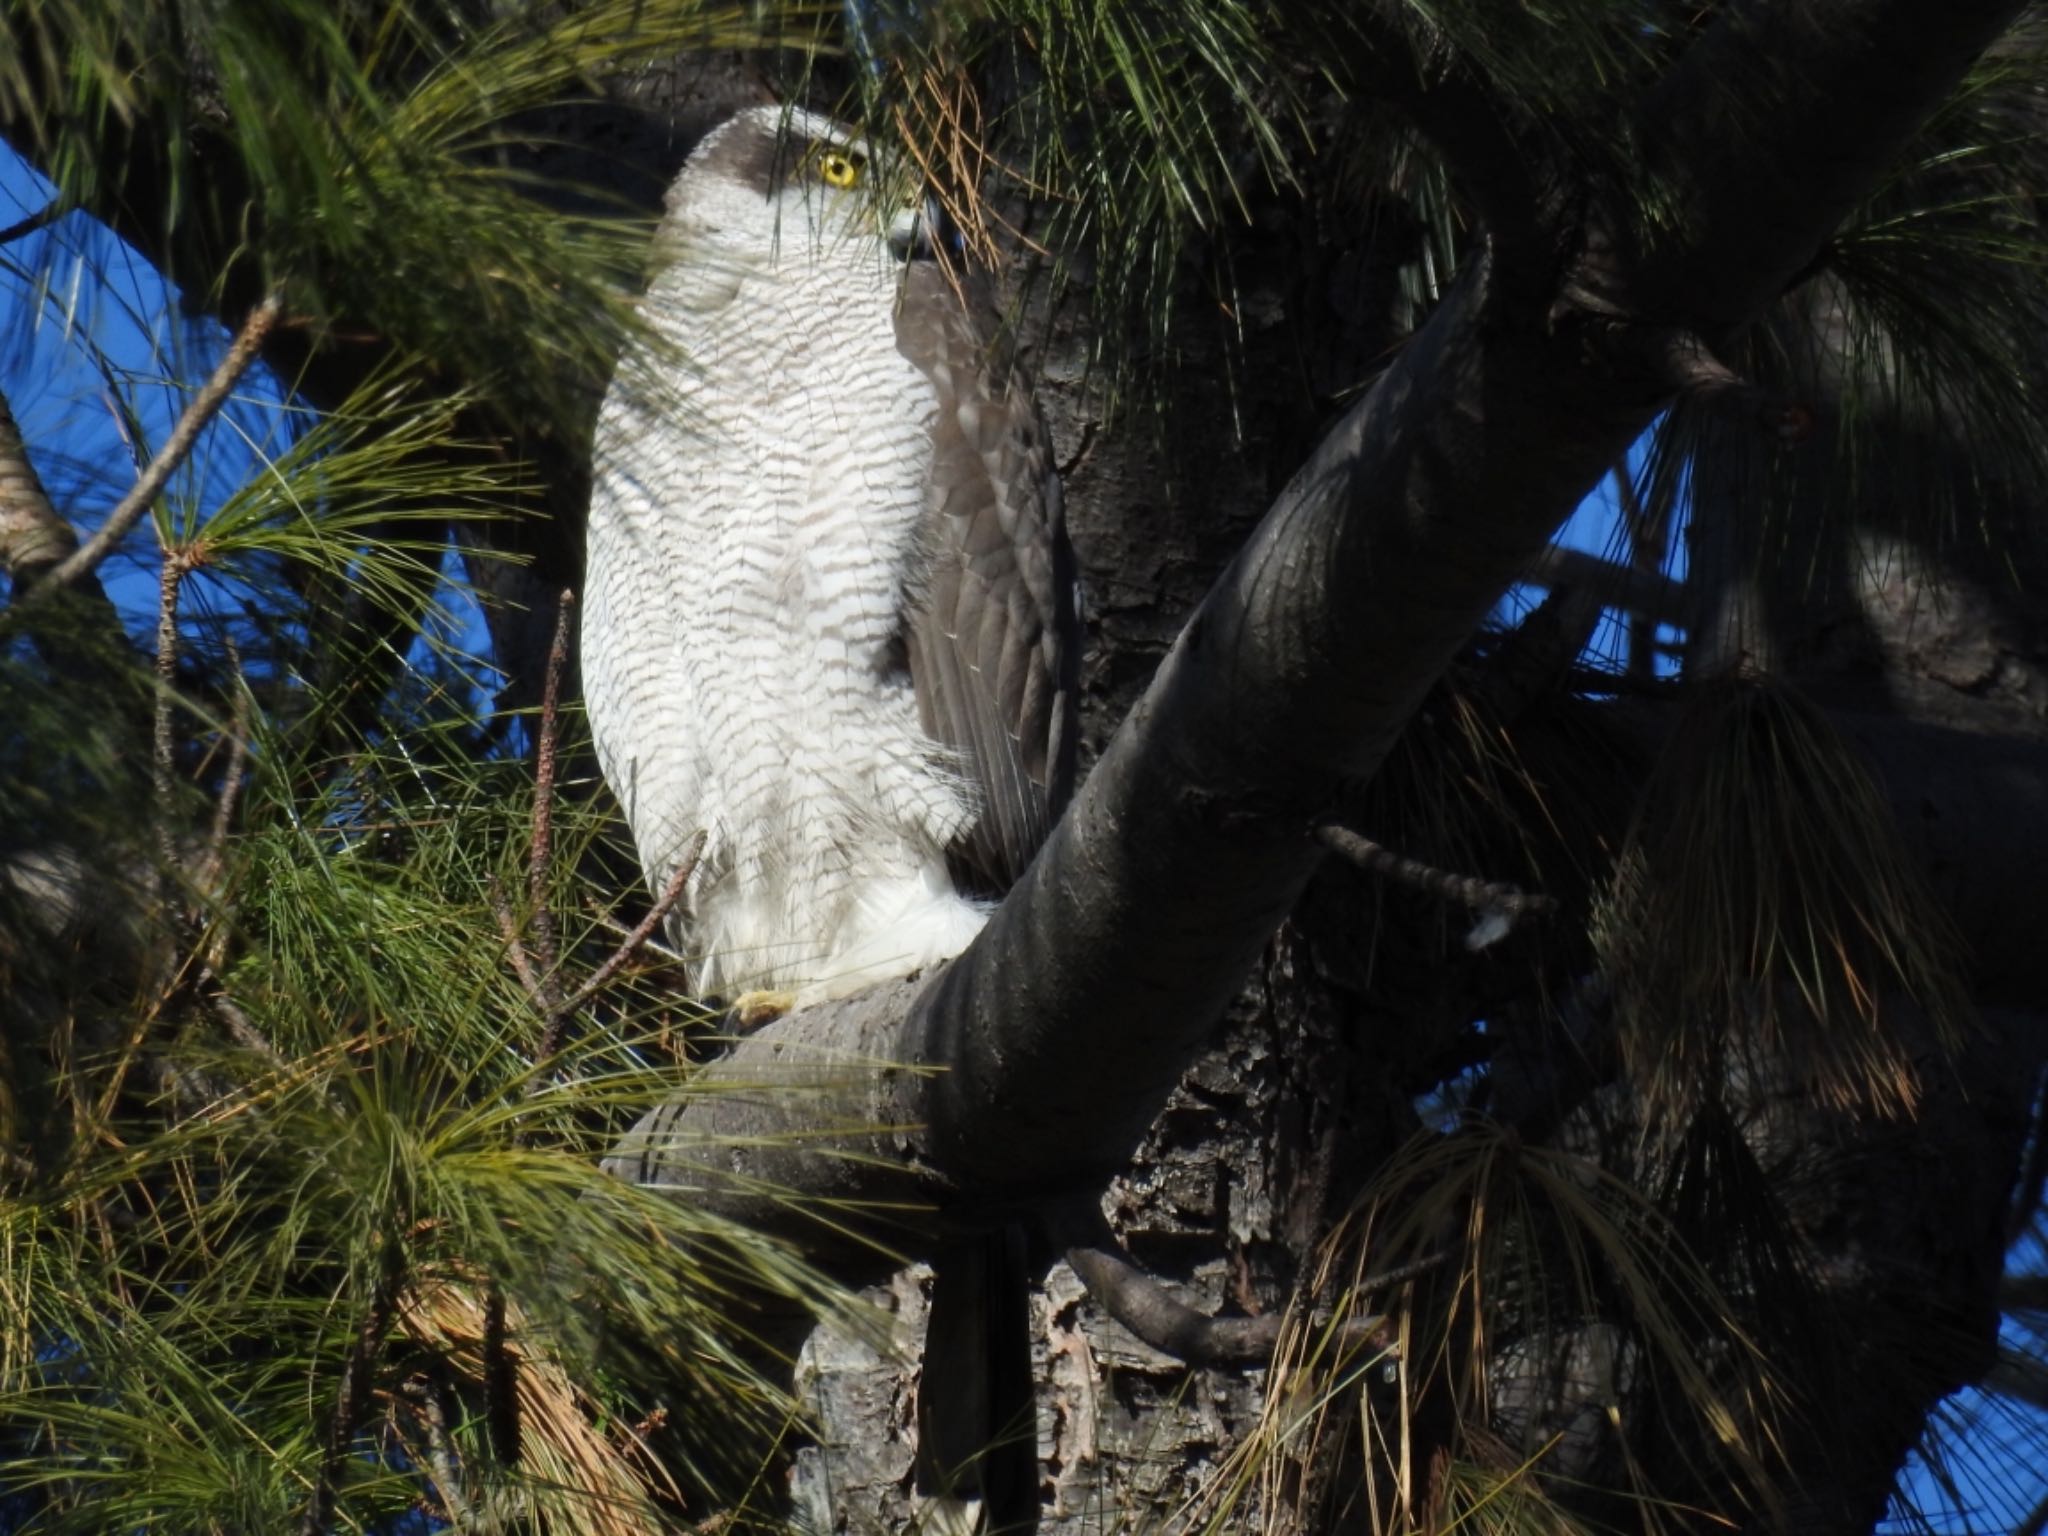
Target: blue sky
{"type": "Point", "coordinates": [90, 333]}
{"type": "Point", "coordinates": [93, 339]}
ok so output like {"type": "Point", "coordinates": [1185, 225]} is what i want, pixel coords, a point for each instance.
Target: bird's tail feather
{"type": "Point", "coordinates": [977, 1426]}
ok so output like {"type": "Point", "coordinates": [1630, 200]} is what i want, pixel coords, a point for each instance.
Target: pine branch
{"type": "Point", "coordinates": [1491, 156]}
{"type": "Point", "coordinates": [501, 1380]}
{"type": "Point", "coordinates": [201, 409]}
{"type": "Point", "coordinates": [232, 777]}
{"type": "Point", "coordinates": [1484, 896]}
{"type": "Point", "coordinates": [357, 1372]}
{"type": "Point", "coordinates": [1064, 1026]}
{"type": "Point", "coordinates": [541, 850]}
{"type": "Point", "coordinates": [515, 949]}
{"type": "Point", "coordinates": [42, 218]}
{"type": "Point", "coordinates": [170, 577]}
{"type": "Point", "coordinates": [441, 1460]}
{"type": "Point", "coordinates": [241, 1029]}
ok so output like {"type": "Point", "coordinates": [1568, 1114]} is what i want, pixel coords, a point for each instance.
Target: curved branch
{"type": "Point", "coordinates": [197, 413]}
{"type": "Point", "coordinates": [1157, 1317]}
{"type": "Point", "coordinates": [1038, 1057]}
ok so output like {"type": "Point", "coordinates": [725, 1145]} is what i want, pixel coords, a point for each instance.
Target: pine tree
{"type": "Point", "coordinates": [1563, 1065]}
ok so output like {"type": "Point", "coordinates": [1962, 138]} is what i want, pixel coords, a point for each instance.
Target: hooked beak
{"type": "Point", "coordinates": [917, 230]}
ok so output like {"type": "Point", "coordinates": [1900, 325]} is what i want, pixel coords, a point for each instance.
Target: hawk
{"type": "Point", "coordinates": [829, 614]}
{"type": "Point", "coordinates": [830, 621]}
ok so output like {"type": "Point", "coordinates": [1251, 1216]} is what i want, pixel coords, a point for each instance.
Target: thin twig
{"type": "Point", "coordinates": [642, 931]}
{"type": "Point", "coordinates": [240, 1028]}
{"type": "Point", "coordinates": [441, 1463]}
{"type": "Point", "coordinates": [1401, 1274]}
{"type": "Point", "coordinates": [356, 1372]}
{"type": "Point", "coordinates": [163, 781]}
{"type": "Point", "coordinates": [198, 412]}
{"type": "Point", "coordinates": [1468, 890]}
{"type": "Point", "coordinates": [515, 949]}
{"type": "Point", "coordinates": [540, 855]}
{"type": "Point", "coordinates": [602, 919]}
{"type": "Point", "coordinates": [43, 218]}
{"type": "Point", "coordinates": [231, 781]}
{"type": "Point", "coordinates": [553, 1010]}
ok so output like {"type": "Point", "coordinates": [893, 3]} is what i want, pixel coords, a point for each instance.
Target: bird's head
{"type": "Point", "coordinates": [780, 181]}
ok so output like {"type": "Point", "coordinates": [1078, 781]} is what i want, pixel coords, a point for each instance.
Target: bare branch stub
{"type": "Point", "coordinates": [515, 949]}
{"type": "Point", "coordinates": [1692, 369]}
{"type": "Point", "coordinates": [1485, 896]}
{"type": "Point", "coordinates": [541, 851]}
{"type": "Point", "coordinates": [642, 931]}
{"type": "Point", "coordinates": [356, 1372]}
{"type": "Point", "coordinates": [1144, 1305]}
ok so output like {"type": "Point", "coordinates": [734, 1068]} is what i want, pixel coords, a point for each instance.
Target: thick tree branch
{"type": "Point", "coordinates": [1771, 130]}
{"type": "Point", "coordinates": [1053, 1041]}
{"type": "Point", "coordinates": [1172, 1327]}
{"type": "Point", "coordinates": [34, 539]}
{"type": "Point", "coordinates": [1157, 1317]}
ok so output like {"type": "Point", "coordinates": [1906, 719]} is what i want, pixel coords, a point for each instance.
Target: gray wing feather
{"type": "Point", "coordinates": [993, 632]}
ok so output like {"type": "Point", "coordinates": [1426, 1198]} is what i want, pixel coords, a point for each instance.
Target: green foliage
{"type": "Point", "coordinates": [1764, 916]}
{"type": "Point", "coordinates": [347, 1129]}
{"type": "Point", "coordinates": [1911, 340]}
{"type": "Point", "coordinates": [372, 160]}
{"type": "Point", "coordinates": [1133, 146]}
{"type": "Point", "coordinates": [1546, 1327]}
{"type": "Point", "coordinates": [389, 464]}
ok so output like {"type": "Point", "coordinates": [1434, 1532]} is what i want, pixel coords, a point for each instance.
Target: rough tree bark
{"type": "Point", "coordinates": [1057, 1039]}
{"type": "Point", "coordinates": [1077, 1049]}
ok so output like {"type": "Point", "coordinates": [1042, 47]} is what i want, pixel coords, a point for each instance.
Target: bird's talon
{"type": "Point", "coordinates": [750, 1010]}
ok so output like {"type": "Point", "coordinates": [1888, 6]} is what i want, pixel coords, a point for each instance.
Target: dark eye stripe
{"type": "Point", "coordinates": [795, 156]}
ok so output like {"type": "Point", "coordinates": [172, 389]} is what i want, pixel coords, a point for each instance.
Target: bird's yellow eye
{"type": "Point", "coordinates": [839, 169]}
